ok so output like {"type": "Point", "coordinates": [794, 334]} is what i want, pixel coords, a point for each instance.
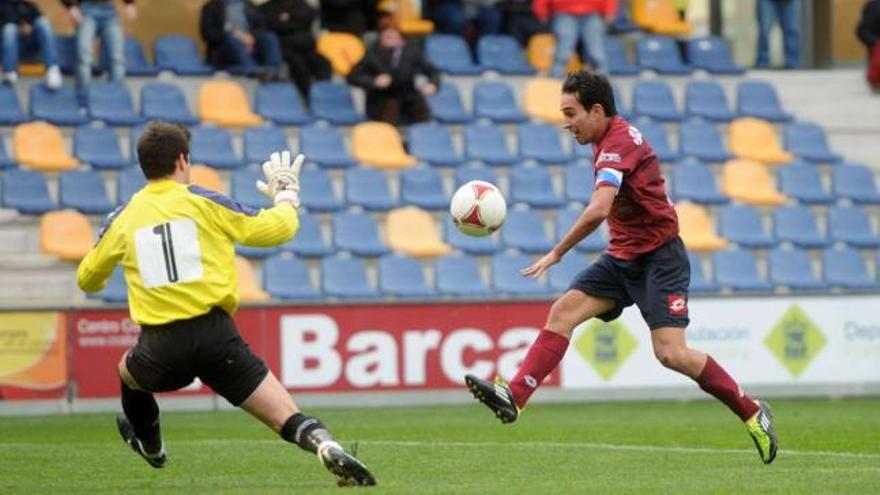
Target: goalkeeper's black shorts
{"type": "Point", "coordinates": [170, 356]}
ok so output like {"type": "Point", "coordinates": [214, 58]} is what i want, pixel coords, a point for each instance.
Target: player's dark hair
{"type": "Point", "coordinates": [590, 89]}
{"type": "Point", "coordinates": [159, 147]}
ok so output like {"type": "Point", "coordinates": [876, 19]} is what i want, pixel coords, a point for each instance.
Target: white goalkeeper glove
{"type": "Point", "coordinates": [282, 178]}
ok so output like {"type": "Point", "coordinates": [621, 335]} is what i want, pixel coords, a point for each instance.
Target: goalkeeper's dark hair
{"type": "Point", "coordinates": [590, 89]}
{"type": "Point", "coordinates": [159, 147]}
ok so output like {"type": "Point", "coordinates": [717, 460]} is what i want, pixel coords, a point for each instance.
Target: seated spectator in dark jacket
{"type": "Point", "coordinates": [349, 16]}
{"type": "Point", "coordinates": [236, 35]}
{"type": "Point", "coordinates": [292, 21]}
{"type": "Point", "coordinates": [27, 33]}
{"type": "Point", "coordinates": [520, 21]}
{"type": "Point", "coordinates": [469, 18]}
{"type": "Point", "coordinates": [397, 77]}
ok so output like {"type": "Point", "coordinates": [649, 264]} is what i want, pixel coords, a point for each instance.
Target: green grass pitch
{"type": "Point", "coordinates": [668, 448]}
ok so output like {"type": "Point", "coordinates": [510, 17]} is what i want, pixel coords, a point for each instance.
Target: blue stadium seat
{"type": "Point", "coordinates": [541, 142]}
{"type": "Point", "coordinates": [855, 182]}
{"type": "Point", "coordinates": [180, 55]}
{"type": "Point", "coordinates": [368, 188]}
{"type": "Point", "coordinates": [402, 276]}
{"type": "Point", "coordinates": [533, 186]}
{"type": "Point", "coordinates": [446, 105]}
{"type": "Point", "coordinates": [495, 100]}
{"type": "Point", "coordinates": [503, 54]}
{"type": "Point", "coordinates": [432, 143]}
{"type": "Point", "coordinates": [423, 187]}
{"type": "Point", "coordinates": [459, 275]}
{"type": "Point", "coordinates": [281, 103]}
{"type": "Point", "coordinates": [622, 109]}
{"type": "Point", "coordinates": [450, 54]}
{"type": "Point", "coordinates": [212, 146]}
{"type": "Point", "coordinates": [332, 102]}
{"type": "Point", "coordinates": [165, 101]}
{"type": "Point", "coordinates": [317, 192]}
{"type": "Point", "coordinates": [6, 161]}
{"type": "Point", "coordinates": [242, 188]}
{"type": "Point", "coordinates": [694, 181]}
{"type": "Point", "coordinates": [850, 224]}
{"type": "Point", "coordinates": [655, 134]}
{"type": "Point", "coordinates": [582, 152]}
{"type": "Point", "coordinates": [759, 99]}
{"type": "Point", "coordinates": [846, 268]}
{"type": "Point", "coordinates": [701, 283]}
{"type": "Point", "coordinates": [325, 146]}
{"type": "Point", "coordinates": [742, 224]}
{"type": "Point", "coordinates": [65, 51]}
{"type": "Point", "coordinates": [26, 191]}
{"type": "Point", "coordinates": [262, 141]}
{"type": "Point", "coordinates": [524, 230]}
{"type": "Point", "coordinates": [487, 143]}
{"type": "Point", "coordinates": [796, 224]}
{"type": "Point", "coordinates": [466, 174]}
{"type": "Point", "coordinates": [653, 98]}
{"type": "Point", "coordinates": [346, 278]}
{"type": "Point", "coordinates": [288, 278]}
{"type": "Point", "coordinates": [309, 239]}
{"type": "Point", "coordinates": [660, 54]}
{"type": "Point", "coordinates": [619, 63]}
{"type": "Point", "coordinates": [594, 243]}
{"type": "Point", "coordinates": [804, 183]}
{"type": "Point", "coordinates": [84, 191]}
{"type": "Point", "coordinates": [809, 142]}
{"type": "Point", "coordinates": [112, 103]}
{"type": "Point", "coordinates": [10, 108]}
{"type": "Point", "coordinates": [59, 107]}
{"type": "Point", "coordinates": [358, 234]}
{"type": "Point", "coordinates": [706, 99]}
{"type": "Point", "coordinates": [116, 290]}
{"type": "Point", "coordinates": [702, 140]}
{"type": "Point", "coordinates": [99, 147]}
{"type": "Point", "coordinates": [560, 275]}
{"type": "Point", "coordinates": [712, 54]}
{"type": "Point", "coordinates": [578, 182]}
{"type": "Point", "coordinates": [793, 269]}
{"type": "Point", "coordinates": [472, 245]}
{"type": "Point", "coordinates": [128, 182]}
{"type": "Point", "coordinates": [507, 279]}
{"type": "Point", "coordinates": [136, 63]}
{"type": "Point", "coordinates": [738, 270]}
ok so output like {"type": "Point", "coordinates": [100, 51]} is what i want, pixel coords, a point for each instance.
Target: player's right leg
{"type": "Point", "coordinates": [138, 424]}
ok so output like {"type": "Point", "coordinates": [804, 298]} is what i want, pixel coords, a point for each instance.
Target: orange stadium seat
{"type": "Point", "coordinates": [696, 228]}
{"type": "Point", "coordinates": [248, 288]}
{"type": "Point", "coordinates": [343, 50]}
{"type": "Point", "coordinates": [541, 100]}
{"type": "Point", "coordinates": [756, 139]}
{"type": "Point", "coordinates": [539, 53]}
{"type": "Point", "coordinates": [207, 177]}
{"type": "Point", "coordinates": [659, 17]}
{"type": "Point", "coordinates": [412, 231]}
{"type": "Point", "coordinates": [66, 234]}
{"type": "Point", "coordinates": [226, 103]}
{"type": "Point", "coordinates": [378, 144]}
{"type": "Point", "coordinates": [750, 182]}
{"type": "Point", "coordinates": [40, 146]}
{"type": "Point", "coordinates": [407, 17]}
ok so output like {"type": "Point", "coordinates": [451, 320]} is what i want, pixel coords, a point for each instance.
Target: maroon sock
{"type": "Point", "coordinates": [544, 355]}
{"type": "Point", "coordinates": [716, 382]}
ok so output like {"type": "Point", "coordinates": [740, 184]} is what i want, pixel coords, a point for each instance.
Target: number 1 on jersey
{"type": "Point", "coordinates": [168, 253]}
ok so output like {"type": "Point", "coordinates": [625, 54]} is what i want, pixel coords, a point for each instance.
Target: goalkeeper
{"type": "Point", "coordinates": [175, 242]}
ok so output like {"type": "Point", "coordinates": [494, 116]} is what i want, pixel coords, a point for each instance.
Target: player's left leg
{"type": "Point", "coordinates": [139, 422]}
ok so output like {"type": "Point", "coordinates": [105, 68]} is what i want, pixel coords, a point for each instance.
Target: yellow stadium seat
{"type": "Point", "coordinates": [378, 144]}
{"type": "Point", "coordinates": [412, 231]}
{"type": "Point", "coordinates": [406, 17]}
{"type": "Point", "coordinates": [539, 53]}
{"type": "Point", "coordinates": [40, 145]}
{"type": "Point", "coordinates": [31, 69]}
{"type": "Point", "coordinates": [756, 139]}
{"type": "Point", "coordinates": [343, 50]}
{"type": "Point", "coordinates": [659, 17]}
{"type": "Point", "coordinates": [207, 177]}
{"type": "Point", "coordinates": [541, 99]}
{"type": "Point", "coordinates": [226, 103]}
{"type": "Point", "coordinates": [695, 229]}
{"type": "Point", "coordinates": [66, 234]}
{"type": "Point", "coordinates": [750, 182]}
{"type": "Point", "coordinates": [248, 289]}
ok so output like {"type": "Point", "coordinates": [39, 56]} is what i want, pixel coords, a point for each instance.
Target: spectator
{"type": "Point", "coordinates": [236, 35]}
{"type": "Point", "coordinates": [458, 16]}
{"type": "Point", "coordinates": [869, 34]}
{"type": "Point", "coordinates": [291, 21]}
{"type": "Point", "coordinates": [90, 16]}
{"type": "Point", "coordinates": [786, 13]}
{"type": "Point", "coordinates": [25, 33]}
{"type": "Point", "coordinates": [389, 73]}
{"type": "Point", "coordinates": [570, 18]}
{"type": "Point", "coordinates": [519, 20]}
{"type": "Point", "coordinates": [349, 16]}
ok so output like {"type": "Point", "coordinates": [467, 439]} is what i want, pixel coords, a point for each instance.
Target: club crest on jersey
{"type": "Point", "coordinates": [605, 156]}
{"type": "Point", "coordinates": [677, 304]}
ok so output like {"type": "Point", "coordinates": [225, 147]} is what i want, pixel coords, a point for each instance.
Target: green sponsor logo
{"type": "Point", "coordinates": [606, 346]}
{"type": "Point", "coordinates": [795, 340]}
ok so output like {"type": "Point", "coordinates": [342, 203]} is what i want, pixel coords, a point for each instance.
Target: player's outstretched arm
{"type": "Point", "coordinates": [282, 178]}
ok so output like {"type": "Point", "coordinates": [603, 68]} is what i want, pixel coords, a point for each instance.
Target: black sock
{"type": "Point", "coordinates": [143, 413]}
{"type": "Point", "coordinates": [305, 431]}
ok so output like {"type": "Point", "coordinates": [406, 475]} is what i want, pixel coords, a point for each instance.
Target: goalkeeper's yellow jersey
{"type": "Point", "coordinates": [176, 246]}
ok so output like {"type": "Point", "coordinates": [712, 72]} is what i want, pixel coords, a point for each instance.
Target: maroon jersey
{"type": "Point", "coordinates": [642, 218]}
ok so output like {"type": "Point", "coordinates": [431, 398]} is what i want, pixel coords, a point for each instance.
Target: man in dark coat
{"type": "Point", "coordinates": [236, 35]}
{"type": "Point", "coordinates": [291, 21]}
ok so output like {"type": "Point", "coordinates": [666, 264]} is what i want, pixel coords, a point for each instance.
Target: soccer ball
{"type": "Point", "coordinates": [478, 208]}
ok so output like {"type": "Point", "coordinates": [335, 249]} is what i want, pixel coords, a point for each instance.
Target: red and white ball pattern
{"type": "Point", "coordinates": [478, 208]}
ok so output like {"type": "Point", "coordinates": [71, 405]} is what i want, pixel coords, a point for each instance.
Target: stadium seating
{"type": "Point", "coordinates": [653, 98]}
{"type": "Point", "coordinates": [248, 288]}
{"type": "Point", "coordinates": [594, 243]}
{"type": "Point", "coordinates": [343, 50]}
{"type": "Point", "coordinates": [65, 51]}
{"type": "Point", "coordinates": [706, 99]}
{"type": "Point", "coordinates": [655, 135]}
{"type": "Point", "coordinates": [5, 160]}
{"type": "Point", "coordinates": [737, 270]}
{"type": "Point", "coordinates": [503, 54]}
{"type": "Point", "coordinates": [620, 103]}
{"type": "Point", "coordinates": [225, 103]}
{"type": "Point", "coordinates": [358, 234]}
{"type": "Point", "coordinates": [809, 142]}
{"type": "Point", "coordinates": [804, 183]}
{"type": "Point", "coordinates": [533, 186]}
{"type": "Point", "coordinates": [136, 63]}
{"type": "Point", "coordinates": [10, 108]}
{"type": "Point", "coordinates": [111, 102]}
{"type": "Point", "coordinates": [560, 275]}
{"type": "Point", "coordinates": [796, 224]}
{"type": "Point", "coordinates": [446, 105]}
{"type": "Point", "coordinates": [332, 102]}
{"type": "Point", "coordinates": [129, 181]}
{"type": "Point", "coordinates": [694, 181]}
{"type": "Point", "coordinates": [412, 231]}
{"type": "Point", "coordinates": [317, 192]}
{"type": "Point", "coordinates": [541, 142]}
{"type": "Point", "coordinates": [793, 269]}
{"type": "Point", "coordinates": [459, 275]}
{"type": "Point", "coordinates": [243, 189]}
{"type": "Point", "coordinates": [524, 230]}
{"type": "Point", "coordinates": [368, 188]}
{"type": "Point", "coordinates": [506, 278]}
{"type": "Point", "coordinates": [432, 143]}
{"type": "Point", "coordinates": [701, 140]}
{"type": "Point", "coordinates": [742, 225]}
{"type": "Point", "coordinates": [660, 17]}
{"type": "Point", "coordinates": [487, 143]}
{"type": "Point", "coordinates": [750, 182]}
{"type": "Point", "coordinates": [846, 268]}
{"type": "Point", "coordinates": [756, 140]}
{"type": "Point", "coordinates": [309, 240]}
{"type": "Point", "coordinates": [84, 191]}
{"type": "Point", "coordinates": [578, 182]}
{"type": "Point", "coordinates": [659, 53]}
{"type": "Point", "coordinates": [854, 182]}
{"type": "Point", "coordinates": [116, 290]}
{"type": "Point", "coordinates": [59, 107]}
{"type": "Point", "coordinates": [26, 191]}
{"type": "Point", "coordinates": [207, 178]}
{"type": "Point", "coordinates": [701, 283]}
{"type": "Point", "coordinates": [471, 245]}
{"type": "Point", "coordinates": [281, 103]}
{"type": "Point", "coordinates": [540, 51]}
{"type": "Point", "coordinates": [541, 99]}
{"type": "Point", "coordinates": [40, 146]}
{"type": "Point", "coordinates": [619, 63]}
{"type": "Point", "coordinates": [65, 234]}
{"type": "Point", "coordinates": [99, 147]}
{"type": "Point", "coordinates": [288, 278]}
{"type": "Point", "coordinates": [712, 54]}
{"type": "Point", "coordinates": [212, 146]}
{"type": "Point", "coordinates": [696, 230]}
{"type": "Point", "coordinates": [164, 101]}
{"type": "Point", "coordinates": [346, 278]}
{"type": "Point", "coordinates": [402, 276]}
{"type": "Point", "coordinates": [450, 54]}
{"type": "Point", "coordinates": [758, 99]}
{"type": "Point", "coordinates": [325, 146]}
{"type": "Point", "coordinates": [494, 100]}
{"type": "Point", "coordinates": [261, 142]}
{"type": "Point", "coordinates": [850, 224]}
{"type": "Point", "coordinates": [379, 145]}
{"type": "Point", "coordinates": [180, 55]}
{"type": "Point", "coordinates": [479, 172]}
{"type": "Point", "coordinates": [423, 187]}
{"type": "Point", "coordinates": [408, 18]}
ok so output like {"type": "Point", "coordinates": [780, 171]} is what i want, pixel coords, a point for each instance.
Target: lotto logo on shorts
{"type": "Point", "coordinates": [678, 305]}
